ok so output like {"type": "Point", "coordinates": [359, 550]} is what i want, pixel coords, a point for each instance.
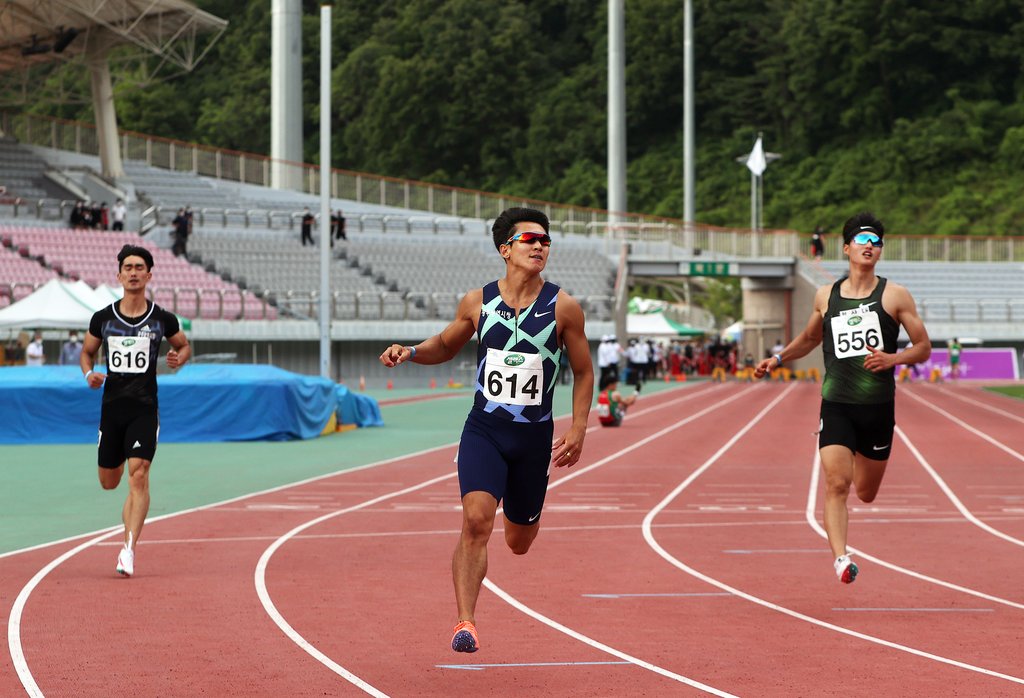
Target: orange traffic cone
{"type": "Point", "coordinates": [433, 383]}
{"type": "Point", "coordinates": [451, 382]}
{"type": "Point", "coordinates": [362, 383]}
{"type": "Point", "coordinates": [390, 384]}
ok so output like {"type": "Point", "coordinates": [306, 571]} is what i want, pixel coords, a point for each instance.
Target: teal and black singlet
{"type": "Point", "coordinates": [850, 325]}
{"type": "Point", "coordinates": [517, 362]}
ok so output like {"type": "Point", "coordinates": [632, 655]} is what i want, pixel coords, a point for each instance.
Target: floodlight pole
{"type": "Point", "coordinates": [616, 110]}
{"type": "Point", "coordinates": [325, 191]}
{"type": "Point", "coordinates": [689, 149]}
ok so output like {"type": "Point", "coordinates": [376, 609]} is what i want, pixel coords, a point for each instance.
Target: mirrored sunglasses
{"type": "Point", "coordinates": [865, 238]}
{"type": "Point", "coordinates": [530, 238]}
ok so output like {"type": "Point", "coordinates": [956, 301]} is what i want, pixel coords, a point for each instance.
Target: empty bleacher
{"type": "Point", "coordinates": [91, 256]}
{"type": "Point", "coordinates": [957, 292]}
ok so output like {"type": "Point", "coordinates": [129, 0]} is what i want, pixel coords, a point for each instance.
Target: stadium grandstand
{"type": "Point", "coordinates": [412, 248]}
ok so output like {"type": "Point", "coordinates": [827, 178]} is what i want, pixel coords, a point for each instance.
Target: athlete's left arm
{"type": "Point", "coordinates": [898, 302]}
{"type": "Point", "coordinates": [181, 350]}
{"type": "Point", "coordinates": [570, 322]}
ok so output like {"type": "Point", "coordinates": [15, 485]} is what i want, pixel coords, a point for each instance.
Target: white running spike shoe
{"type": "Point", "coordinates": [126, 562]}
{"type": "Point", "coordinates": [126, 559]}
{"type": "Point", "coordinates": [846, 569]}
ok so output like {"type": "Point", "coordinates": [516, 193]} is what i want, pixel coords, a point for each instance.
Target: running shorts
{"type": "Point", "coordinates": [127, 431]}
{"type": "Point", "coordinates": [509, 460]}
{"type": "Point", "coordinates": [864, 429]}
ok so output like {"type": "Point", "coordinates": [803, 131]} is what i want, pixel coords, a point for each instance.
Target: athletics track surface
{"type": "Point", "coordinates": [682, 556]}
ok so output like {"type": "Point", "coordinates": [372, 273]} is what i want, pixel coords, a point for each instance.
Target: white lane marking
{"type": "Point", "coordinates": [17, 610]}
{"type": "Point", "coordinates": [275, 615]}
{"type": "Point", "coordinates": [915, 610]}
{"type": "Point", "coordinates": [952, 497]}
{"type": "Point", "coordinates": [979, 403]}
{"type": "Point", "coordinates": [649, 537]}
{"type": "Point", "coordinates": [14, 622]}
{"type": "Point", "coordinates": [809, 514]}
{"type": "Point", "coordinates": [515, 603]}
{"type": "Point", "coordinates": [295, 636]}
{"type": "Point", "coordinates": [977, 432]}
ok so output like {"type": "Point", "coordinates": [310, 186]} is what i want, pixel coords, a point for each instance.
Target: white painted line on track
{"type": "Point", "coordinates": [948, 491]}
{"type": "Point", "coordinates": [14, 622]}
{"type": "Point", "coordinates": [915, 610]}
{"type": "Point", "coordinates": [17, 610]}
{"type": "Point", "coordinates": [515, 603]}
{"type": "Point", "coordinates": [275, 615]}
{"type": "Point", "coordinates": [983, 405]}
{"type": "Point", "coordinates": [977, 432]}
{"type": "Point", "coordinates": [809, 514]}
{"type": "Point", "coordinates": [649, 537]}
{"type": "Point", "coordinates": [295, 636]}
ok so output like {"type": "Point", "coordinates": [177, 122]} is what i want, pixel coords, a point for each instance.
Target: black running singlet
{"type": "Point", "coordinates": [850, 326]}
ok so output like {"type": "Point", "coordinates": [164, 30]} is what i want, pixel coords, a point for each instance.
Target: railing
{"type": "Point", "coordinates": [468, 207]}
{"type": "Point", "coordinates": [250, 168]}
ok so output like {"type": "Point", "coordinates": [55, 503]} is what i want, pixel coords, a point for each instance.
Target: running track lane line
{"type": "Point", "coordinates": [977, 432]}
{"type": "Point", "coordinates": [295, 636]}
{"type": "Point", "coordinates": [809, 514]}
{"type": "Point", "coordinates": [14, 623]}
{"type": "Point", "coordinates": [17, 609]}
{"type": "Point", "coordinates": [979, 403]}
{"type": "Point", "coordinates": [649, 537]}
{"type": "Point", "coordinates": [952, 496]}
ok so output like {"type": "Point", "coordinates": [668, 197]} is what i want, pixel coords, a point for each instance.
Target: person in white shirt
{"type": "Point", "coordinates": [34, 351]}
{"type": "Point", "coordinates": [117, 214]}
{"type": "Point", "coordinates": [609, 351]}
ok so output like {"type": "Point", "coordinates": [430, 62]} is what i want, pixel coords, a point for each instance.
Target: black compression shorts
{"type": "Point", "coordinates": [864, 429]}
{"type": "Point", "coordinates": [127, 431]}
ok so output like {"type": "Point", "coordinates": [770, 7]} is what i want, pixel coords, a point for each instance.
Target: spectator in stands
{"type": "Point", "coordinates": [857, 321]}
{"type": "Point", "coordinates": [818, 243]}
{"type": "Point", "coordinates": [180, 234]}
{"type": "Point", "coordinates": [118, 214]}
{"type": "Point", "coordinates": [188, 217]}
{"type": "Point", "coordinates": [338, 221]}
{"type": "Point", "coordinates": [307, 227]}
{"type": "Point", "coordinates": [95, 215]}
{"type": "Point", "coordinates": [104, 217]}
{"type": "Point", "coordinates": [34, 351]}
{"type": "Point", "coordinates": [71, 352]}
{"type": "Point", "coordinates": [523, 324]}
{"type": "Point", "coordinates": [131, 330]}
{"type": "Point", "coordinates": [611, 404]}
{"type": "Point", "coordinates": [80, 216]}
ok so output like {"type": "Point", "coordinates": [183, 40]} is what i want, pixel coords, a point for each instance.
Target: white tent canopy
{"type": "Point", "coordinates": [58, 305]}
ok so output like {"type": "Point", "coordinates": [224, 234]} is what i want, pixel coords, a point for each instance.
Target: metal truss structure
{"type": "Point", "coordinates": [38, 36]}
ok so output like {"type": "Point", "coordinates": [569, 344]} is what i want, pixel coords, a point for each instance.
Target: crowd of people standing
{"type": "Point", "coordinates": [645, 359]}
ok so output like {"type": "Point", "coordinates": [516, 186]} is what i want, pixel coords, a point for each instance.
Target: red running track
{"type": "Point", "coordinates": [682, 557]}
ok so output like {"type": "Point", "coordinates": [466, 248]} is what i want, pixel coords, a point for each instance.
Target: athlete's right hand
{"type": "Point", "coordinates": [95, 379]}
{"type": "Point", "coordinates": [764, 368]}
{"type": "Point", "coordinates": [394, 355]}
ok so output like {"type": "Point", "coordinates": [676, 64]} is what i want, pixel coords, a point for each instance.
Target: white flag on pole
{"type": "Point", "coordinates": [756, 161]}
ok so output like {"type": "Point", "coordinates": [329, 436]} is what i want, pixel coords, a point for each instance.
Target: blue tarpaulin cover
{"type": "Point", "coordinates": [200, 402]}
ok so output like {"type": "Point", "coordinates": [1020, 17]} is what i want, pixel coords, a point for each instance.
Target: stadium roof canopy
{"type": "Point", "coordinates": [33, 32]}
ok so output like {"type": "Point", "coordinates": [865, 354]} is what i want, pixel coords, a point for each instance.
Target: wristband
{"type": "Point", "coordinates": [88, 373]}
{"type": "Point", "coordinates": [412, 353]}
{"type": "Point", "coordinates": [778, 360]}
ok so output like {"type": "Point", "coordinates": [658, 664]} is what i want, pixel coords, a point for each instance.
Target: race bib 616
{"type": "Point", "coordinates": [128, 354]}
